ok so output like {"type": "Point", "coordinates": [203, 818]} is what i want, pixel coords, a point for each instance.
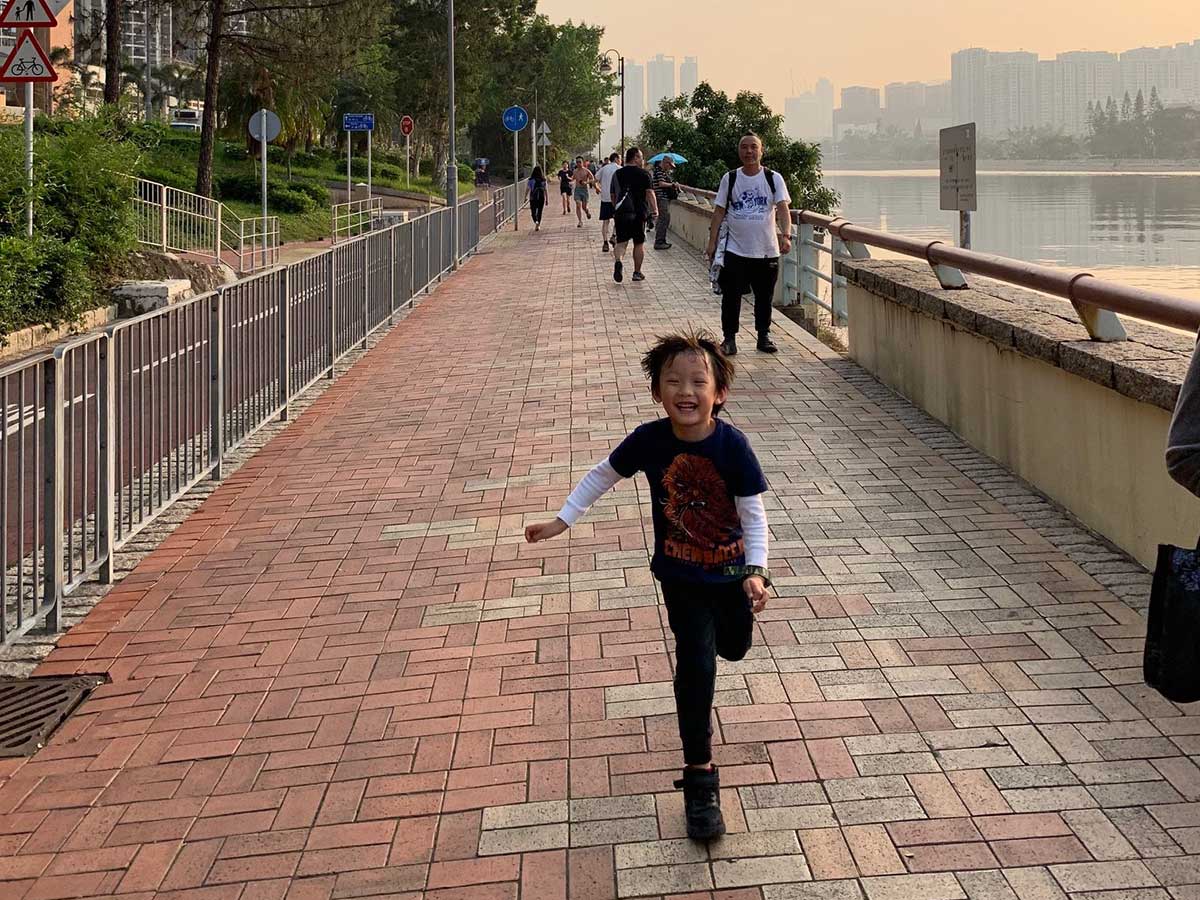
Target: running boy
{"type": "Point", "coordinates": [710, 539]}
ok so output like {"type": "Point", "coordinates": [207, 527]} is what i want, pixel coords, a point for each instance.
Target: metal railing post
{"type": "Point", "coordinates": [285, 342]}
{"type": "Point", "coordinates": [838, 292]}
{"type": "Point", "coordinates": [216, 396]}
{"type": "Point", "coordinates": [412, 264]}
{"type": "Point", "coordinates": [53, 498]}
{"type": "Point", "coordinates": [332, 311]}
{"type": "Point", "coordinates": [106, 475]}
{"type": "Point", "coordinates": [366, 297]}
{"type": "Point", "coordinates": [392, 274]}
{"type": "Point", "coordinates": [217, 235]}
{"type": "Point", "coordinates": [162, 217]}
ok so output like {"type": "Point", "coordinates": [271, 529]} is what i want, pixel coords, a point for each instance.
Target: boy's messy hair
{"type": "Point", "coordinates": [668, 346]}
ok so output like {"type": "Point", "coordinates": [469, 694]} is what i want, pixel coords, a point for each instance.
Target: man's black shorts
{"type": "Point", "coordinates": [606, 210]}
{"type": "Point", "coordinates": [630, 230]}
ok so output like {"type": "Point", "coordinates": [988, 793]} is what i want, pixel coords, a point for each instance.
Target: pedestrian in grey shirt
{"type": "Point", "coordinates": [1183, 439]}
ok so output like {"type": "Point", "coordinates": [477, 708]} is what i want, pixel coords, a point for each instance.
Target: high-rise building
{"type": "Point", "coordinates": [1011, 105]}
{"type": "Point", "coordinates": [809, 117]}
{"type": "Point", "coordinates": [660, 81]}
{"type": "Point", "coordinates": [968, 84]}
{"type": "Point", "coordinates": [635, 97]}
{"type": "Point", "coordinates": [1068, 83]}
{"type": "Point", "coordinates": [689, 75]}
{"type": "Point", "coordinates": [903, 104]}
{"type": "Point", "coordinates": [859, 110]}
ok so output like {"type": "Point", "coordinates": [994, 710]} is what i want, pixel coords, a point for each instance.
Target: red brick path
{"type": "Point", "coordinates": [347, 675]}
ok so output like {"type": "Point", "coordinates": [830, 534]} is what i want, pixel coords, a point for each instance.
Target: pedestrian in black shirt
{"type": "Point", "coordinates": [632, 197]}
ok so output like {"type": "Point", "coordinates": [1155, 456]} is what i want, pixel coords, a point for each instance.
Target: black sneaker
{"type": "Point", "coordinates": [617, 276]}
{"type": "Point", "coordinates": [766, 345]}
{"type": "Point", "coordinates": [638, 276]}
{"type": "Point", "coordinates": [729, 347]}
{"type": "Point", "coordinates": [664, 246]}
{"type": "Point", "coordinates": [702, 803]}
{"type": "Point", "coordinates": [605, 250]}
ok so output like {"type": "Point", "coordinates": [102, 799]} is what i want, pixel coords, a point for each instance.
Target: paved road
{"type": "Point", "coordinates": [346, 675]}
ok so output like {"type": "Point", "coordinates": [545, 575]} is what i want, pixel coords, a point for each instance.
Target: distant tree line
{"type": "Point", "coordinates": [1137, 129]}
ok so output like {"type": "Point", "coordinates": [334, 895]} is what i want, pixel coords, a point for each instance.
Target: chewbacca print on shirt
{"type": "Point", "coordinates": [693, 486]}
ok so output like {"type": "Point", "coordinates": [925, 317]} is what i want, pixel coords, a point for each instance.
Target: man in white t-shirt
{"type": "Point", "coordinates": [758, 223]}
{"type": "Point", "coordinates": [606, 208]}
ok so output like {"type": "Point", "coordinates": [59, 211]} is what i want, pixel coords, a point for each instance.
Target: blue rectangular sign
{"type": "Point", "coordinates": [358, 121]}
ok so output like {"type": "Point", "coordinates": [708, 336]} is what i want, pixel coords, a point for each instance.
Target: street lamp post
{"type": "Point", "coordinates": [606, 68]}
{"type": "Point", "coordinates": [452, 165]}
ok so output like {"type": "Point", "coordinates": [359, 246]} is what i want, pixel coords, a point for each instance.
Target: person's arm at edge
{"type": "Point", "coordinates": [783, 216]}
{"type": "Point", "coordinates": [594, 485]}
{"type": "Point", "coordinates": [752, 515]}
{"type": "Point", "coordinates": [714, 227]}
{"type": "Point", "coordinates": [1183, 437]}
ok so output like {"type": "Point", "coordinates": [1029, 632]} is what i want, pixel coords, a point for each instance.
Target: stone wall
{"type": "Point", "coordinates": [1015, 374]}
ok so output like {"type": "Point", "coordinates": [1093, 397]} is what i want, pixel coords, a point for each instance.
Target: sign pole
{"type": "Point", "coordinates": [516, 179]}
{"type": "Point", "coordinates": [349, 183]}
{"type": "Point", "coordinates": [368, 166]}
{"type": "Point", "coordinates": [964, 229]}
{"type": "Point", "coordinates": [407, 161]}
{"type": "Point", "coordinates": [262, 143]}
{"type": "Point", "coordinates": [29, 157]}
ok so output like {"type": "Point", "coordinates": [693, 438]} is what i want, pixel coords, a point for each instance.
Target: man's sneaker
{"type": "Point", "coordinates": [588, 213]}
{"type": "Point", "coordinates": [702, 803]}
{"type": "Point", "coordinates": [605, 250]}
{"type": "Point", "coordinates": [729, 347]}
{"type": "Point", "coordinates": [638, 276]}
{"type": "Point", "coordinates": [617, 276]}
{"type": "Point", "coordinates": [663, 246]}
{"type": "Point", "coordinates": [579, 225]}
{"type": "Point", "coordinates": [766, 345]}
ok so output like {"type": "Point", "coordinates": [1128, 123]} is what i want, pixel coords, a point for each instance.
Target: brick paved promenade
{"type": "Point", "coordinates": [347, 675]}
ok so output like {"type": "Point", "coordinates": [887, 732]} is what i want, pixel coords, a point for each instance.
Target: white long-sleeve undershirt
{"type": "Point", "coordinates": [603, 477]}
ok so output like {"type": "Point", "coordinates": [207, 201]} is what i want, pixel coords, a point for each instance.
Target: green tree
{"type": "Point", "coordinates": [706, 128]}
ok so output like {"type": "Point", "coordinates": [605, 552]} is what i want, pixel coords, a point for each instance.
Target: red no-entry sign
{"type": "Point", "coordinates": [406, 125]}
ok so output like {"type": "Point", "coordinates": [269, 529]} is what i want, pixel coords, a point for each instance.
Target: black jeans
{"type": "Point", "coordinates": [738, 273]}
{"type": "Point", "coordinates": [706, 619]}
{"type": "Point", "coordinates": [536, 205]}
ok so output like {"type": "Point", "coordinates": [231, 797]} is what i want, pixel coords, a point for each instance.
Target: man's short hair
{"type": "Point", "coordinates": [703, 342]}
{"type": "Point", "coordinates": [631, 154]}
{"type": "Point", "coordinates": [750, 134]}
{"type": "Point", "coordinates": [614, 157]}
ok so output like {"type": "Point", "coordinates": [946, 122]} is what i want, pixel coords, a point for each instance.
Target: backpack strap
{"type": "Point", "coordinates": [770, 180]}
{"type": "Point", "coordinates": [729, 191]}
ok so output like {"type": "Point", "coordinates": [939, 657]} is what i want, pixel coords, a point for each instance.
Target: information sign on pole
{"type": "Point", "coordinates": [27, 63]}
{"type": "Point", "coordinates": [515, 119]}
{"type": "Point", "coordinates": [957, 177]}
{"type": "Point", "coordinates": [358, 121]}
{"type": "Point", "coordinates": [406, 128]}
{"type": "Point", "coordinates": [264, 126]}
{"type": "Point", "coordinates": [27, 14]}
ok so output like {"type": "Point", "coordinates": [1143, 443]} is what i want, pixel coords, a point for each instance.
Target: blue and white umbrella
{"type": "Point", "coordinates": [676, 158]}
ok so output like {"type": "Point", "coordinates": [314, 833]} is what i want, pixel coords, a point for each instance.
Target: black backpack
{"type": "Point", "coordinates": [626, 211]}
{"type": "Point", "coordinates": [733, 177]}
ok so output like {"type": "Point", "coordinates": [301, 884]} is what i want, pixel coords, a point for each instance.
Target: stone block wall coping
{"type": "Point", "coordinates": [1149, 367]}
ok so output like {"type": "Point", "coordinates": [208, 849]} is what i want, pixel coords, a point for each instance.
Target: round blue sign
{"type": "Point", "coordinates": [515, 118]}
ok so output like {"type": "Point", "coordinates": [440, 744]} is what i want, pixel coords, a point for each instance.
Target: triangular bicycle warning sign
{"type": "Point", "coordinates": [27, 62]}
{"type": "Point", "coordinates": [27, 14]}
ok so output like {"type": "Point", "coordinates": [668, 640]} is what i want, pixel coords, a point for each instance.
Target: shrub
{"type": "Point", "coordinates": [318, 192]}
{"type": "Point", "coordinates": [282, 198]}
{"type": "Point", "coordinates": [234, 152]}
{"type": "Point", "coordinates": [42, 279]}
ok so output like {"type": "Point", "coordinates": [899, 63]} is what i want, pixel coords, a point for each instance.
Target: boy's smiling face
{"type": "Point", "coordinates": [688, 392]}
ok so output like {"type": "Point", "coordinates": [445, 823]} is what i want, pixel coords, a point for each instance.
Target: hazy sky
{"type": "Point", "coordinates": [769, 44]}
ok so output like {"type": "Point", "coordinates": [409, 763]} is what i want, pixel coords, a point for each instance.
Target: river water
{"type": "Point", "coordinates": [1141, 229]}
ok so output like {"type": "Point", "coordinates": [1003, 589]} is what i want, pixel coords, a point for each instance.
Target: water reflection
{"type": "Point", "coordinates": [1140, 229]}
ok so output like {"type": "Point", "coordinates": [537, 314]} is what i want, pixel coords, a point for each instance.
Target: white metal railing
{"type": "Point", "coordinates": [100, 436]}
{"type": "Point", "coordinates": [355, 217]}
{"type": "Point", "coordinates": [179, 221]}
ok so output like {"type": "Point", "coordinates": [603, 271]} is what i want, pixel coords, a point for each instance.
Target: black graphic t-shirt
{"type": "Point", "coordinates": [697, 533]}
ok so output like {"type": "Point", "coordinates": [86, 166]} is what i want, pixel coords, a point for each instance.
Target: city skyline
{"type": "Point", "coordinates": [880, 42]}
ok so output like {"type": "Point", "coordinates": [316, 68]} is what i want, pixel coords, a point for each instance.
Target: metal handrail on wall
{"type": "Point", "coordinates": [103, 434]}
{"type": "Point", "coordinates": [355, 217]}
{"type": "Point", "coordinates": [1096, 300]}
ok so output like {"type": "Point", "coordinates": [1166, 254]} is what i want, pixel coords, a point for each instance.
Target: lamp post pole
{"type": "Point", "coordinates": [621, 75]}
{"type": "Point", "coordinates": [452, 164]}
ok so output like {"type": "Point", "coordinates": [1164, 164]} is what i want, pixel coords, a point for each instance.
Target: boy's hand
{"type": "Point", "coordinates": [541, 531]}
{"type": "Point", "coordinates": [756, 590]}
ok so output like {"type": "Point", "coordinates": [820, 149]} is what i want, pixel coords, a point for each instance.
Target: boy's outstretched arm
{"type": "Point", "coordinates": [594, 485]}
{"type": "Point", "coordinates": [755, 536]}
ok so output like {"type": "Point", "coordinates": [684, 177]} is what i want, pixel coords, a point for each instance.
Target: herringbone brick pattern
{"type": "Point", "coordinates": [346, 675]}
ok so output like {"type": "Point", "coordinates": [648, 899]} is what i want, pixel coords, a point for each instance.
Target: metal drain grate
{"type": "Point", "coordinates": [32, 709]}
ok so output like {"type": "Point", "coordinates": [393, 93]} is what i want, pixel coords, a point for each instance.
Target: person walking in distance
{"type": "Point", "coordinates": [605, 177]}
{"type": "Point", "coordinates": [564, 188]}
{"type": "Point", "coordinates": [535, 193]}
{"type": "Point", "coordinates": [710, 540]}
{"type": "Point", "coordinates": [752, 202]}
{"type": "Point", "coordinates": [666, 191]}
{"type": "Point", "coordinates": [583, 180]}
{"type": "Point", "coordinates": [633, 199]}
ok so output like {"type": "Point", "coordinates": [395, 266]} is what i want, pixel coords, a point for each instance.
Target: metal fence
{"type": "Point", "coordinates": [182, 222]}
{"type": "Point", "coordinates": [105, 432]}
{"type": "Point", "coordinates": [355, 217]}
